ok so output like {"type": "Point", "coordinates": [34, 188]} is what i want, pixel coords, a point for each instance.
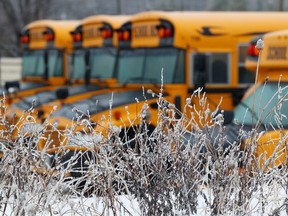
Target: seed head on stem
{"type": "Point", "coordinates": [260, 47]}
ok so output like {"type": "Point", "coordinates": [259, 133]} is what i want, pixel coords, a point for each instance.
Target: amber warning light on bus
{"type": "Point", "coordinates": [76, 36]}
{"type": "Point", "coordinates": [165, 29]}
{"type": "Point", "coordinates": [24, 38]}
{"type": "Point", "coordinates": [49, 36]}
{"type": "Point", "coordinates": [164, 32]}
{"type": "Point", "coordinates": [124, 35]}
{"type": "Point", "coordinates": [252, 50]}
{"type": "Point", "coordinates": [106, 32]}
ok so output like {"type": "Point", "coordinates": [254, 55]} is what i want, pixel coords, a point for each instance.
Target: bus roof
{"type": "Point", "coordinates": [54, 24]}
{"type": "Point", "coordinates": [198, 27]}
{"type": "Point", "coordinates": [61, 28]}
{"type": "Point", "coordinates": [92, 28]}
{"type": "Point", "coordinates": [114, 20]}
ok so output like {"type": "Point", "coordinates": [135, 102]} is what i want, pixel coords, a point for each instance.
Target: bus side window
{"type": "Point", "coordinates": [210, 68]}
{"type": "Point", "coordinates": [219, 68]}
{"type": "Point", "coordinates": [219, 72]}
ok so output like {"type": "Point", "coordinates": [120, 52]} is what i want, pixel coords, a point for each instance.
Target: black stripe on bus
{"type": "Point", "coordinates": [219, 90]}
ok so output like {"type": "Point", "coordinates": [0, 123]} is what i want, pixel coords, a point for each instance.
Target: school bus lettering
{"type": "Point", "coordinates": [36, 36]}
{"type": "Point", "coordinates": [153, 30]}
{"type": "Point", "coordinates": [92, 32]}
{"type": "Point", "coordinates": [145, 31]}
{"type": "Point", "coordinates": [277, 53]}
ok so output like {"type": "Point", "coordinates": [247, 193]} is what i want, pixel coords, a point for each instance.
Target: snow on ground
{"type": "Point", "coordinates": [127, 207]}
{"type": "Point", "coordinates": [95, 205]}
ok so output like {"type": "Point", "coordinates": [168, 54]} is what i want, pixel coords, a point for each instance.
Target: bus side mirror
{"type": "Point", "coordinates": [12, 87]}
{"type": "Point", "coordinates": [199, 70]}
{"type": "Point", "coordinates": [62, 93]}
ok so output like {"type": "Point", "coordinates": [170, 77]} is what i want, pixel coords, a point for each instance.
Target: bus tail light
{"type": "Point", "coordinates": [252, 50]}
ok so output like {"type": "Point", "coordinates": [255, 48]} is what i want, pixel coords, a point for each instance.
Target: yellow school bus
{"type": "Point", "coordinates": [264, 107]}
{"type": "Point", "coordinates": [195, 49]}
{"type": "Point", "coordinates": [46, 45]}
{"type": "Point", "coordinates": [95, 44]}
{"type": "Point", "coordinates": [92, 72]}
{"type": "Point", "coordinates": [92, 68]}
{"type": "Point", "coordinates": [77, 131]}
{"type": "Point", "coordinates": [273, 57]}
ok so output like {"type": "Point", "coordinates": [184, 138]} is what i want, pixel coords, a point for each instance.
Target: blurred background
{"type": "Point", "coordinates": [15, 14]}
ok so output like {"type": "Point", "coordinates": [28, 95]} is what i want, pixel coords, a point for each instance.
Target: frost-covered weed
{"type": "Point", "coordinates": [185, 165]}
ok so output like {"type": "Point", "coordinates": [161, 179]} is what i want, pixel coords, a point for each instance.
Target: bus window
{"type": "Point", "coordinates": [130, 66]}
{"type": "Point", "coordinates": [165, 58]}
{"type": "Point", "coordinates": [145, 65]}
{"type": "Point", "coordinates": [244, 75]}
{"type": "Point", "coordinates": [33, 63]}
{"type": "Point", "coordinates": [79, 65]}
{"type": "Point", "coordinates": [102, 62]}
{"type": "Point", "coordinates": [55, 63]}
{"type": "Point", "coordinates": [265, 103]}
{"type": "Point", "coordinates": [210, 68]}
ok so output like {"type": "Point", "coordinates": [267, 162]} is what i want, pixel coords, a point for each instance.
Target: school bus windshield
{"type": "Point", "coordinates": [267, 108]}
{"type": "Point", "coordinates": [145, 65]}
{"type": "Point", "coordinates": [101, 62]}
{"type": "Point", "coordinates": [79, 65]}
{"type": "Point", "coordinates": [33, 64]}
{"type": "Point", "coordinates": [55, 63]}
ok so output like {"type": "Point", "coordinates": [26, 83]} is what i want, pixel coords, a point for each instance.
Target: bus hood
{"type": "Point", "coordinates": [226, 137]}
{"type": "Point", "coordinates": [45, 97]}
{"type": "Point", "coordinates": [102, 102]}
